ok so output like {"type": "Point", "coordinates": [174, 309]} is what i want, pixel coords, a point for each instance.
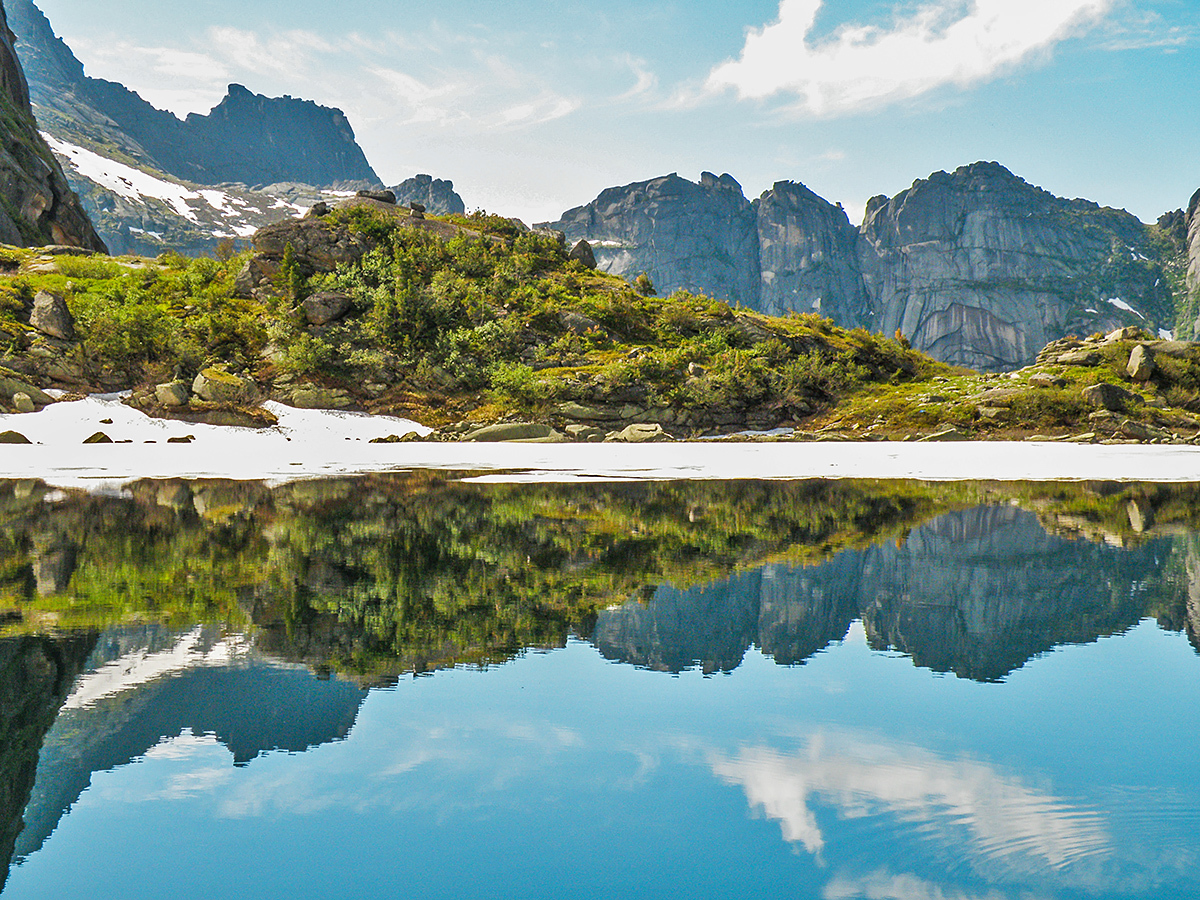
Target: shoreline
{"type": "Point", "coordinates": [309, 444]}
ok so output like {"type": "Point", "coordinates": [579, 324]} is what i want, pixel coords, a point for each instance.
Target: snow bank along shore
{"type": "Point", "coordinates": [322, 443]}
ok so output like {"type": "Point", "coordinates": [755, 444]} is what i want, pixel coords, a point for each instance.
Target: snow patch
{"type": "Point", "coordinates": [1121, 304]}
{"type": "Point", "coordinates": [123, 180]}
{"type": "Point", "coordinates": [1166, 334]}
{"type": "Point", "coordinates": [321, 443]}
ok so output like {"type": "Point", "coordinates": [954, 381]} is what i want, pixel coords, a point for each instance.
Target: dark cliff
{"type": "Point", "coordinates": [247, 138]}
{"type": "Point", "coordinates": [36, 204]}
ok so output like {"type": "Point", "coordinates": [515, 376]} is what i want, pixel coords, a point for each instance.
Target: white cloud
{"type": "Point", "coordinates": [968, 806]}
{"type": "Point", "coordinates": [863, 66]}
{"type": "Point", "coordinates": [888, 886]}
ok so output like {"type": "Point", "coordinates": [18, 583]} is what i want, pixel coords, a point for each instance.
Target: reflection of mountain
{"type": "Point", "coordinates": [145, 685]}
{"type": "Point", "coordinates": [35, 676]}
{"type": "Point", "coordinates": [977, 593]}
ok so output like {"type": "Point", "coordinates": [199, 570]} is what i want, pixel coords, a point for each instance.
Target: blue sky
{"type": "Point", "coordinates": [535, 107]}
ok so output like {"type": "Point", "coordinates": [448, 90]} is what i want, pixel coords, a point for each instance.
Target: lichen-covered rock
{"type": "Point", "coordinates": [13, 437]}
{"type": "Point", "coordinates": [218, 386]}
{"type": "Point", "coordinates": [51, 316]}
{"type": "Point", "coordinates": [173, 394]}
{"type": "Point", "coordinates": [23, 404]}
{"type": "Point", "coordinates": [1141, 363]}
{"type": "Point", "coordinates": [326, 307]}
{"type": "Point", "coordinates": [1109, 396]}
{"type": "Point", "coordinates": [583, 254]}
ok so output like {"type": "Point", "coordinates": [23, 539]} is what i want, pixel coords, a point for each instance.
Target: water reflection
{"type": "Point", "coordinates": [977, 593]}
{"type": "Point", "coordinates": [194, 622]}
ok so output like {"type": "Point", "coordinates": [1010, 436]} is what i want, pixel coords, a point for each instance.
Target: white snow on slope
{"type": "Point", "coordinates": [134, 184]}
{"type": "Point", "coordinates": [1121, 304]}
{"type": "Point", "coordinates": [318, 443]}
{"type": "Point", "coordinates": [123, 180]}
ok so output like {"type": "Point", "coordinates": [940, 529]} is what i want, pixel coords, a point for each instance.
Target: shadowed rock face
{"type": "Point", "coordinates": [1193, 257]}
{"type": "Point", "coordinates": [808, 257]}
{"type": "Point", "coordinates": [696, 237]}
{"type": "Point", "coordinates": [247, 138]}
{"type": "Point", "coordinates": [36, 205]}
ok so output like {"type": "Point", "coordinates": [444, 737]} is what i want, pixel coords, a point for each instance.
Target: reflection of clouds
{"type": "Point", "coordinates": [999, 817]}
{"type": "Point", "coordinates": [887, 886]}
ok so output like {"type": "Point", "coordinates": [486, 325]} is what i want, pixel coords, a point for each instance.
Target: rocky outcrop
{"type": "Point", "coordinates": [436, 195]}
{"type": "Point", "coordinates": [980, 268]}
{"type": "Point", "coordinates": [36, 205]}
{"type": "Point", "coordinates": [975, 267]}
{"type": "Point", "coordinates": [807, 252]}
{"type": "Point", "coordinates": [696, 237]}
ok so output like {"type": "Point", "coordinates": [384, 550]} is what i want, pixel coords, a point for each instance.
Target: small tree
{"type": "Point", "coordinates": [645, 286]}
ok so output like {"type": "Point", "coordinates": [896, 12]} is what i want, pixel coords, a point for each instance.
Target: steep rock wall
{"type": "Point", "coordinates": [697, 237]}
{"type": "Point", "coordinates": [1193, 259]}
{"type": "Point", "coordinates": [978, 267]}
{"type": "Point", "coordinates": [807, 252]}
{"type": "Point", "coordinates": [36, 205]}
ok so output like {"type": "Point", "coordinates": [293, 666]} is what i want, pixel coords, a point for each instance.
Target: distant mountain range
{"type": "Point", "coordinates": [151, 181]}
{"type": "Point", "coordinates": [976, 267]}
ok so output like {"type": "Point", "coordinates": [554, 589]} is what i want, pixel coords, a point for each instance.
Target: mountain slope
{"type": "Point", "coordinates": [247, 138]}
{"type": "Point", "coordinates": [36, 203]}
{"type": "Point", "coordinates": [151, 182]}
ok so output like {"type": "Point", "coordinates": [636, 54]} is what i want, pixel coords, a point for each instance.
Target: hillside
{"type": "Point", "coordinates": [469, 321]}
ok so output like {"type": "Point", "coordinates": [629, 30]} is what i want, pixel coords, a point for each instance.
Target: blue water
{"type": "Point", "coordinates": [981, 711]}
{"type": "Point", "coordinates": [856, 775]}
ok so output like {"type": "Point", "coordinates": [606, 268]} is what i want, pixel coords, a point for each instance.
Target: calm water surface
{"type": "Point", "coordinates": [411, 686]}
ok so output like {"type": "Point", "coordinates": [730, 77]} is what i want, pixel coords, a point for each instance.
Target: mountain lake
{"type": "Point", "coordinates": [417, 684]}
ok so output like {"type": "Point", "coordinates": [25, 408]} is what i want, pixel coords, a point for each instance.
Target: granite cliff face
{"type": "Point", "coordinates": [36, 204]}
{"type": "Point", "coordinates": [807, 252]}
{"type": "Point", "coordinates": [976, 266]}
{"type": "Point", "coordinates": [685, 236]}
{"type": "Point", "coordinates": [980, 268]}
{"type": "Point", "coordinates": [1193, 264]}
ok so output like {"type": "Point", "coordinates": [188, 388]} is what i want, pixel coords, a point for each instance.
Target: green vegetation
{"type": "Point", "coordinates": [386, 574]}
